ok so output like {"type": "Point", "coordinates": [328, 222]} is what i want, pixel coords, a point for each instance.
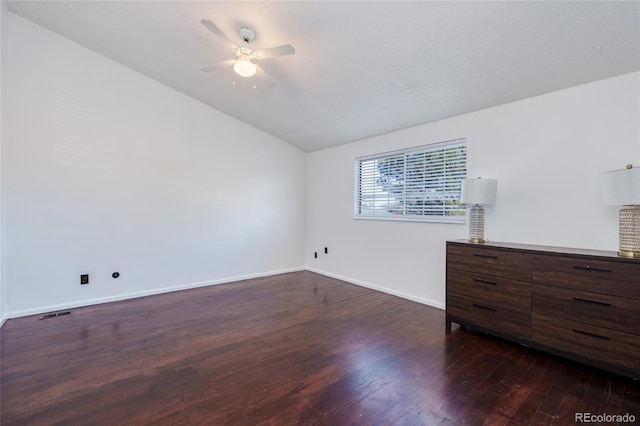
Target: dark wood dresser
{"type": "Point", "coordinates": [580, 304]}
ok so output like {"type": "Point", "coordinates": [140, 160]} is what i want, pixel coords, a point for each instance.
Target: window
{"type": "Point", "coordinates": [418, 184]}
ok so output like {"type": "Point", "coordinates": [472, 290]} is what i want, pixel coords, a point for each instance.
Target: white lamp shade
{"type": "Point", "coordinates": [621, 187]}
{"type": "Point", "coordinates": [479, 191]}
{"type": "Point", "coordinates": [244, 68]}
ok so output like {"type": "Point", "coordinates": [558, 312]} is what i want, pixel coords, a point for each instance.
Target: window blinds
{"type": "Point", "coordinates": [422, 183]}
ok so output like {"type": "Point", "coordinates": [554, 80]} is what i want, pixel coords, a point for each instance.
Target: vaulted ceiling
{"type": "Point", "coordinates": [360, 68]}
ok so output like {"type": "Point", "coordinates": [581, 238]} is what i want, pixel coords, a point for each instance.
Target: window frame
{"type": "Point", "coordinates": [405, 216]}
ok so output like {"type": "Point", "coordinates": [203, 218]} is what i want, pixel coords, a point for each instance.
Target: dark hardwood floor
{"type": "Point", "coordinates": [293, 349]}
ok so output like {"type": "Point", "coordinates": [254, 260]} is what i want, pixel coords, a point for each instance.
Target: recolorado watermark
{"type": "Point", "coordinates": [604, 418]}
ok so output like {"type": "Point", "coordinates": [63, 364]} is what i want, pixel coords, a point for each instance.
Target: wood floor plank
{"type": "Point", "coordinates": [533, 381]}
{"type": "Point", "coordinates": [291, 349]}
{"type": "Point", "coordinates": [631, 401]}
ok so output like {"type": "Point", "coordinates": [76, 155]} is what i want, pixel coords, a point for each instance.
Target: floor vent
{"type": "Point", "coordinates": [56, 314]}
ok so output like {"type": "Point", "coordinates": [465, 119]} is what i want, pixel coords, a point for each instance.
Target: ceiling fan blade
{"type": "Point", "coordinates": [264, 77]}
{"type": "Point", "coordinates": [218, 65]}
{"type": "Point", "coordinates": [285, 49]}
{"type": "Point", "coordinates": [218, 33]}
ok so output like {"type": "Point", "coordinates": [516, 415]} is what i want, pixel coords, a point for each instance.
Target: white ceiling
{"type": "Point", "coordinates": [361, 69]}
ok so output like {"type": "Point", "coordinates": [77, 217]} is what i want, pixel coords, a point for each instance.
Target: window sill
{"type": "Point", "coordinates": [457, 221]}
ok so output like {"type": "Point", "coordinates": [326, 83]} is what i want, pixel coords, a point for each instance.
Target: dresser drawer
{"type": "Point", "coordinates": [596, 343]}
{"type": "Point", "coordinates": [470, 311]}
{"type": "Point", "coordinates": [617, 278]}
{"type": "Point", "coordinates": [500, 291]}
{"type": "Point", "coordinates": [616, 313]}
{"type": "Point", "coordinates": [490, 261]}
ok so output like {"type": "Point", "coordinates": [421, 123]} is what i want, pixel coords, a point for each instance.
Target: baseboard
{"type": "Point", "coordinates": [411, 297]}
{"type": "Point", "coordinates": [152, 292]}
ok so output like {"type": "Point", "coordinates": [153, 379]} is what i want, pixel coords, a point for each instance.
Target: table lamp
{"type": "Point", "coordinates": [478, 192]}
{"type": "Point", "coordinates": [622, 188]}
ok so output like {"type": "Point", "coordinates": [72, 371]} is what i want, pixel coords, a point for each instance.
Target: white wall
{"type": "Point", "coordinates": [106, 170]}
{"type": "Point", "coordinates": [547, 153]}
{"type": "Point", "coordinates": [3, 61]}
{"type": "Point", "coordinates": [109, 171]}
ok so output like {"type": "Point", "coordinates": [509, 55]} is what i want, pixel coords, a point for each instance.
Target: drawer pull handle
{"type": "Point", "coordinates": [486, 308]}
{"type": "Point", "coordinates": [586, 333]}
{"type": "Point", "coordinates": [488, 256]}
{"type": "Point", "coordinates": [591, 268]}
{"type": "Point", "coordinates": [478, 280]}
{"type": "Point", "coordinates": [596, 302]}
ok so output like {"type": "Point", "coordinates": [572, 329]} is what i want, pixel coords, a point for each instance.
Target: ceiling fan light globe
{"type": "Point", "coordinates": [244, 68]}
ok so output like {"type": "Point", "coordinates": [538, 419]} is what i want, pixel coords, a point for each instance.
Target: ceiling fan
{"type": "Point", "coordinates": [246, 54]}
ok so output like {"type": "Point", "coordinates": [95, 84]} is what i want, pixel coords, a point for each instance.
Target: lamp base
{"type": "Point", "coordinates": [629, 235]}
{"type": "Point", "coordinates": [630, 254]}
{"type": "Point", "coordinates": [476, 224]}
{"type": "Point", "coordinates": [477, 240]}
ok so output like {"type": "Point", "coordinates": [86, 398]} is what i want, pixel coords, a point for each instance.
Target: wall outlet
{"type": "Point", "coordinates": [84, 279]}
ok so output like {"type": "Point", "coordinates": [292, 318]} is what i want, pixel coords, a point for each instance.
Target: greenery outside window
{"type": "Point", "coordinates": [420, 184]}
